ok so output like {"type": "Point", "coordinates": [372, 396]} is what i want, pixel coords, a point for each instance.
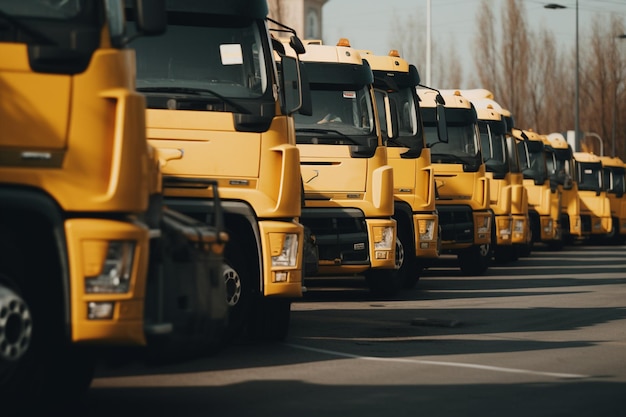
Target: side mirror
{"type": "Point", "coordinates": [290, 82]}
{"type": "Point", "coordinates": [442, 128]}
{"type": "Point", "coordinates": [151, 17]}
{"type": "Point", "coordinates": [297, 45]}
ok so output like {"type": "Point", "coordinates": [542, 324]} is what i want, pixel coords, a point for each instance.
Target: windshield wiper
{"type": "Point", "coordinates": [39, 36]}
{"type": "Point", "coordinates": [194, 92]}
{"type": "Point", "coordinates": [328, 131]}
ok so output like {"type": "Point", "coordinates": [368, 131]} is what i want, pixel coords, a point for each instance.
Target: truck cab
{"type": "Point", "coordinates": [463, 193]}
{"type": "Point", "coordinates": [220, 113]}
{"type": "Point", "coordinates": [348, 183]}
{"type": "Point", "coordinates": [615, 185]}
{"type": "Point", "coordinates": [493, 131]}
{"type": "Point", "coordinates": [544, 201]}
{"type": "Point", "coordinates": [400, 119]}
{"type": "Point", "coordinates": [595, 208]}
{"type": "Point", "coordinates": [563, 173]}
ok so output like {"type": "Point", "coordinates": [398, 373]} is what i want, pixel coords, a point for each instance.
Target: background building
{"type": "Point", "coordinates": [305, 16]}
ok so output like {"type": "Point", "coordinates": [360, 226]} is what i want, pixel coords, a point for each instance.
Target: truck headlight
{"type": "Point", "coordinates": [548, 227]}
{"type": "Point", "coordinates": [504, 228]}
{"type": "Point", "coordinates": [383, 238]}
{"type": "Point", "coordinates": [426, 229]}
{"type": "Point", "coordinates": [484, 224]}
{"type": "Point", "coordinates": [115, 271]}
{"type": "Point", "coordinates": [284, 249]}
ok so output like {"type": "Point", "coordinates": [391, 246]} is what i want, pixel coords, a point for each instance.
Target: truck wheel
{"type": "Point", "coordinates": [384, 282]}
{"type": "Point", "coordinates": [506, 254]}
{"type": "Point", "coordinates": [36, 365]}
{"type": "Point", "coordinates": [269, 319]}
{"type": "Point", "coordinates": [237, 298]}
{"type": "Point", "coordinates": [475, 260]}
{"type": "Point", "coordinates": [408, 269]}
{"type": "Point", "coordinates": [16, 329]}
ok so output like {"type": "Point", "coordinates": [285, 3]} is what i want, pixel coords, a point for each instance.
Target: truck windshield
{"type": "Point", "coordinates": [493, 145]}
{"type": "Point", "coordinates": [463, 146]}
{"type": "Point", "coordinates": [221, 54]}
{"type": "Point", "coordinates": [410, 132]}
{"type": "Point", "coordinates": [533, 159]}
{"type": "Point", "coordinates": [45, 9]}
{"type": "Point", "coordinates": [590, 176]}
{"type": "Point", "coordinates": [614, 180]}
{"type": "Point", "coordinates": [340, 117]}
{"type": "Point", "coordinates": [563, 165]}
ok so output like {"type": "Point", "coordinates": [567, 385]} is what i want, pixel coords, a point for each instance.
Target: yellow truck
{"type": "Point", "coordinates": [348, 183]}
{"type": "Point", "coordinates": [220, 112]}
{"type": "Point", "coordinates": [508, 199]}
{"type": "Point", "coordinates": [493, 130]}
{"type": "Point", "coordinates": [400, 119]}
{"type": "Point", "coordinates": [563, 173]}
{"type": "Point", "coordinates": [89, 259]}
{"type": "Point", "coordinates": [544, 197]}
{"type": "Point", "coordinates": [615, 184]}
{"type": "Point", "coordinates": [463, 193]}
{"type": "Point", "coordinates": [521, 235]}
{"type": "Point", "coordinates": [595, 208]}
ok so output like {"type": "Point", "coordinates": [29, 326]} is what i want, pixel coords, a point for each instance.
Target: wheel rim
{"type": "Point", "coordinates": [15, 325]}
{"type": "Point", "coordinates": [233, 285]}
{"type": "Point", "coordinates": [399, 254]}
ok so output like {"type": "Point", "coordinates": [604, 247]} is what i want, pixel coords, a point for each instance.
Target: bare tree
{"type": "Point", "coordinates": [487, 58]}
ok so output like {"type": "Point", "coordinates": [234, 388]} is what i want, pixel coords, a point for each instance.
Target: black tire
{"type": "Point", "coordinates": [475, 260]}
{"type": "Point", "coordinates": [239, 294]}
{"type": "Point", "coordinates": [269, 319]}
{"type": "Point", "coordinates": [409, 270]}
{"type": "Point", "coordinates": [384, 282]}
{"type": "Point", "coordinates": [505, 254]}
{"type": "Point", "coordinates": [50, 371]}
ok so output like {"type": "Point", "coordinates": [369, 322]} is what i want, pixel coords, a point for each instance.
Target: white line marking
{"type": "Point", "coordinates": [442, 363]}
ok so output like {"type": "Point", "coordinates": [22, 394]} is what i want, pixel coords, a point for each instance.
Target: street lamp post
{"type": "Point", "coordinates": [428, 41]}
{"type": "Point", "coordinates": [622, 36]}
{"type": "Point", "coordinates": [577, 93]}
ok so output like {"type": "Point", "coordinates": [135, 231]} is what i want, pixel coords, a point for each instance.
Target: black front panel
{"type": "Point", "coordinates": [341, 234]}
{"type": "Point", "coordinates": [457, 224]}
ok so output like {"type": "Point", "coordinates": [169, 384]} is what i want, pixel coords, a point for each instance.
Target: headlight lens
{"type": "Point", "coordinates": [284, 249]}
{"type": "Point", "coordinates": [548, 226]}
{"type": "Point", "coordinates": [116, 270]}
{"type": "Point", "coordinates": [383, 238]}
{"type": "Point", "coordinates": [426, 229]}
{"type": "Point", "coordinates": [504, 228]}
{"type": "Point", "coordinates": [484, 224]}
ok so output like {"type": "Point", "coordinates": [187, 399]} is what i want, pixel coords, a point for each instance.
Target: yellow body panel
{"type": "Point", "coordinates": [455, 186]}
{"type": "Point", "coordinates": [126, 326]}
{"type": "Point", "coordinates": [617, 203]}
{"type": "Point", "coordinates": [253, 167]}
{"type": "Point", "coordinates": [596, 205]}
{"type": "Point", "coordinates": [337, 180]}
{"type": "Point", "coordinates": [80, 153]}
{"type": "Point", "coordinates": [80, 139]}
{"type": "Point", "coordinates": [292, 285]}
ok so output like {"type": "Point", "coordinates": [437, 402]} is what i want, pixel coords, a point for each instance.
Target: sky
{"type": "Point", "coordinates": [368, 23]}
